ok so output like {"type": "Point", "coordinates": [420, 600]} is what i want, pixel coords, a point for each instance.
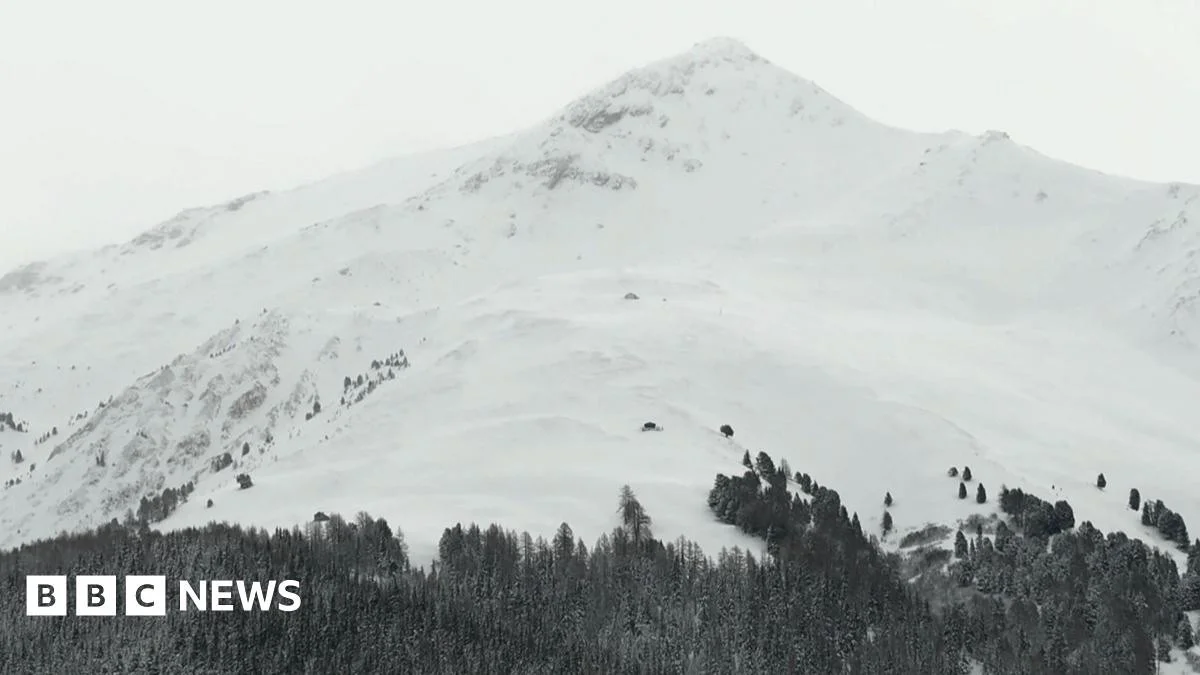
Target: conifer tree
{"type": "Point", "coordinates": [1189, 592]}
{"type": "Point", "coordinates": [564, 542]}
{"type": "Point", "coordinates": [887, 499]}
{"type": "Point", "coordinates": [634, 518]}
{"type": "Point", "coordinates": [1101, 482]}
{"type": "Point", "coordinates": [1135, 499]}
{"type": "Point", "coordinates": [980, 494]}
{"type": "Point", "coordinates": [805, 481]}
{"type": "Point", "coordinates": [1184, 636]}
{"type": "Point", "coordinates": [962, 490]}
{"type": "Point", "coordinates": [960, 545]}
{"type": "Point", "coordinates": [1064, 515]}
{"type": "Point", "coordinates": [764, 465]}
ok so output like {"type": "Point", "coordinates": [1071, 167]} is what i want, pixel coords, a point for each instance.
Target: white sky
{"type": "Point", "coordinates": [116, 115]}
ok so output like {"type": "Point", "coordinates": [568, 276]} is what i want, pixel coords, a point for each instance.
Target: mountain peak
{"type": "Point", "coordinates": [720, 77]}
{"type": "Point", "coordinates": [716, 103]}
{"type": "Point", "coordinates": [722, 47]}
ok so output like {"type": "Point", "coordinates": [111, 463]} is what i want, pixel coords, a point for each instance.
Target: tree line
{"type": "Point", "coordinates": [826, 599]}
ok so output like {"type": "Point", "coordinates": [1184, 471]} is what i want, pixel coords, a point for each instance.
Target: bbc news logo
{"type": "Point", "coordinates": [147, 596]}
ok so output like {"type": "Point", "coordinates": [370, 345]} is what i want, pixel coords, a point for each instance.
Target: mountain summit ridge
{"type": "Point", "coordinates": [716, 112]}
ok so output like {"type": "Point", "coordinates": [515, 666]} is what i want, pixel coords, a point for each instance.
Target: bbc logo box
{"type": "Point", "coordinates": [95, 595]}
{"type": "Point", "coordinates": [146, 595]}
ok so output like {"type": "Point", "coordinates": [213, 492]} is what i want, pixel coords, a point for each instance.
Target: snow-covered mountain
{"type": "Point", "coordinates": [447, 337]}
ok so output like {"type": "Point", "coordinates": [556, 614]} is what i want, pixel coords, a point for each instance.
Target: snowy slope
{"type": "Point", "coordinates": [872, 304]}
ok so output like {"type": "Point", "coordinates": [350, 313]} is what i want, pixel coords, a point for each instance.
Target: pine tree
{"type": "Point", "coordinates": [746, 460]}
{"type": "Point", "coordinates": [887, 522]}
{"type": "Point", "coordinates": [1004, 535]}
{"type": "Point", "coordinates": [962, 490]}
{"type": "Point", "coordinates": [1064, 515]}
{"type": "Point", "coordinates": [633, 517]}
{"type": "Point", "coordinates": [1189, 592]}
{"type": "Point", "coordinates": [1101, 482]}
{"type": "Point", "coordinates": [719, 494]}
{"type": "Point", "coordinates": [806, 482]}
{"type": "Point", "coordinates": [1147, 516]}
{"type": "Point", "coordinates": [960, 545]}
{"type": "Point", "coordinates": [966, 475]}
{"type": "Point", "coordinates": [953, 472]}
{"type": "Point", "coordinates": [1135, 499]}
{"type": "Point", "coordinates": [764, 465]}
{"type": "Point", "coordinates": [980, 494]}
{"type": "Point", "coordinates": [564, 542]}
{"type": "Point", "coordinates": [1178, 532]}
{"type": "Point", "coordinates": [1184, 636]}
{"type": "Point", "coordinates": [887, 499]}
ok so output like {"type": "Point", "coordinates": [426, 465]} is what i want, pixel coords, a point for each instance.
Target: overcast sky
{"type": "Point", "coordinates": [116, 115]}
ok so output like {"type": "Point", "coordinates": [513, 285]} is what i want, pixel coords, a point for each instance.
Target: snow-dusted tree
{"type": "Point", "coordinates": [960, 545]}
{"type": "Point", "coordinates": [764, 465]}
{"type": "Point", "coordinates": [634, 518]}
{"type": "Point", "coordinates": [1064, 515]}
